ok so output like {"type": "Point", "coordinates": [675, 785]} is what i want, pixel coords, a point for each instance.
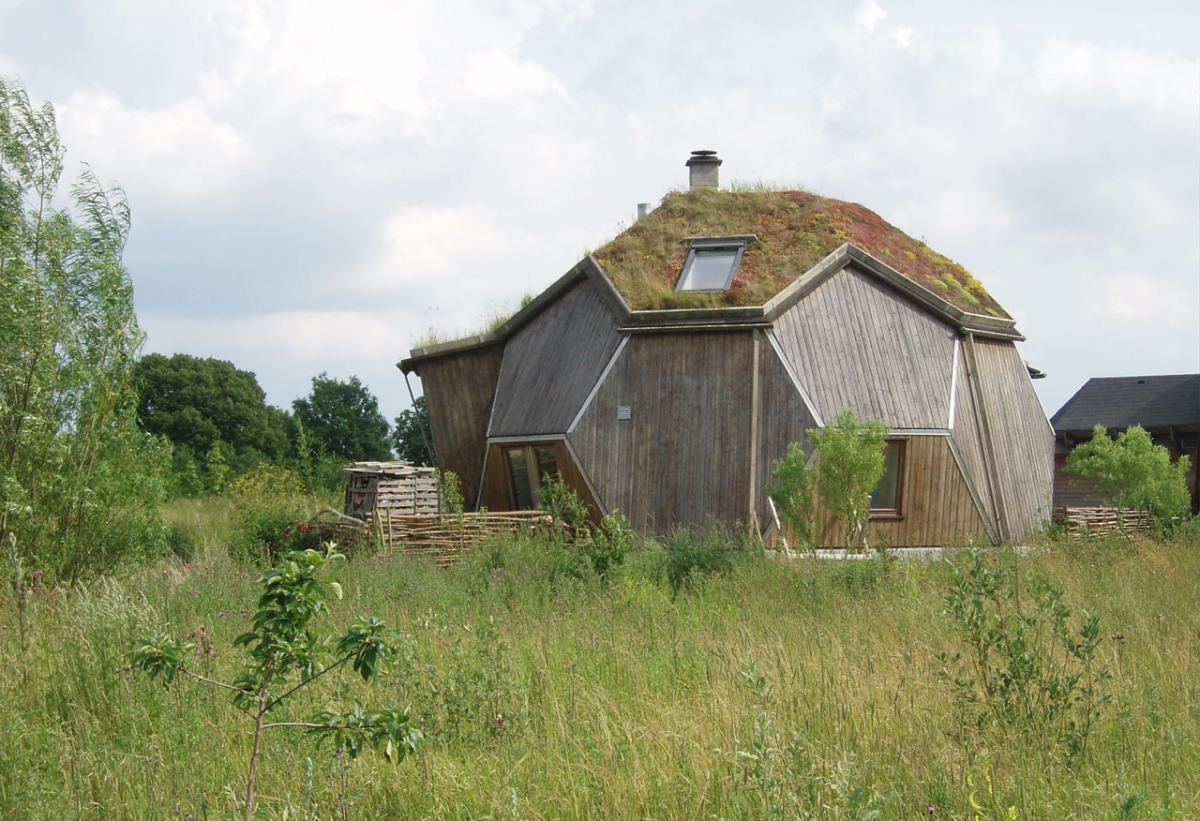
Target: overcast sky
{"type": "Point", "coordinates": [315, 184]}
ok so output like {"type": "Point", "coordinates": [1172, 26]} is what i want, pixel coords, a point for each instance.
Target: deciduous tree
{"type": "Point", "coordinates": [344, 417]}
{"type": "Point", "coordinates": [79, 482]}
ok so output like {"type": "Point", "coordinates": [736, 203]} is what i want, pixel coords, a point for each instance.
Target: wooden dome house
{"type": "Point", "coordinates": [664, 373]}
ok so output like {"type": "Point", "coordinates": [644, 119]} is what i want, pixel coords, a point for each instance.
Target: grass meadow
{"type": "Point", "coordinates": [773, 689]}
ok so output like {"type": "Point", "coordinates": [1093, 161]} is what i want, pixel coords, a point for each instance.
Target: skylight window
{"type": "Point", "coordinates": [710, 265]}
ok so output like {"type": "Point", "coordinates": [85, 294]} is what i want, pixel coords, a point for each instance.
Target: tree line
{"type": "Point", "coordinates": [94, 436]}
{"type": "Point", "coordinates": [220, 425]}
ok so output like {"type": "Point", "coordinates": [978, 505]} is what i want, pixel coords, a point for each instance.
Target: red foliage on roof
{"type": "Point", "coordinates": [795, 230]}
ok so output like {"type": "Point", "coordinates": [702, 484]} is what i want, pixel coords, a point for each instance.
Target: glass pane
{"type": "Point", "coordinates": [518, 476]}
{"type": "Point", "coordinates": [709, 270]}
{"type": "Point", "coordinates": [547, 463]}
{"type": "Point", "coordinates": [886, 493]}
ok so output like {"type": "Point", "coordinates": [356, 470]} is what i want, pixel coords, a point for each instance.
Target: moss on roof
{"type": "Point", "coordinates": [795, 231]}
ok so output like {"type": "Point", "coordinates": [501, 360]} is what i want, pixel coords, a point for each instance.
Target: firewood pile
{"type": "Point", "coordinates": [1082, 522]}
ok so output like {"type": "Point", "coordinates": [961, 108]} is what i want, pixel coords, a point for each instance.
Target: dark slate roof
{"type": "Point", "coordinates": [1119, 402]}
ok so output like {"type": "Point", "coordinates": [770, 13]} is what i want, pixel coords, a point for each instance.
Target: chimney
{"type": "Point", "coordinates": [703, 166]}
{"type": "Point", "coordinates": [643, 209]}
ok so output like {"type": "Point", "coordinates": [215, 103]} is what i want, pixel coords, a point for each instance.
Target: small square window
{"type": "Point", "coordinates": [711, 265]}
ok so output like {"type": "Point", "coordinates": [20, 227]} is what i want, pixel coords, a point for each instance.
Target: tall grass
{"type": "Point", "coordinates": [808, 689]}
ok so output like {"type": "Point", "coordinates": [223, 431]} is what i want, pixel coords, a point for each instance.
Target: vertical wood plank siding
{"type": "Point", "coordinates": [495, 494]}
{"type": "Point", "coordinates": [1023, 442]}
{"type": "Point", "coordinates": [783, 419]}
{"type": "Point", "coordinates": [969, 442]}
{"type": "Point", "coordinates": [936, 505]}
{"type": "Point", "coordinates": [552, 364]}
{"type": "Point", "coordinates": [683, 457]}
{"type": "Point", "coordinates": [858, 344]}
{"type": "Point", "coordinates": [459, 389]}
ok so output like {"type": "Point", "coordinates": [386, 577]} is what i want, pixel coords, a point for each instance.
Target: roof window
{"type": "Point", "coordinates": [711, 264]}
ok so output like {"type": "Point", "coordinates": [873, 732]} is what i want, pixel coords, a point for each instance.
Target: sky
{"type": "Point", "coordinates": [315, 185]}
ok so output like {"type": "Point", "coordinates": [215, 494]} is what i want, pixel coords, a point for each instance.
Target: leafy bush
{"type": "Point", "coordinates": [851, 465]}
{"type": "Point", "coordinates": [793, 489]}
{"type": "Point", "coordinates": [688, 556]}
{"type": "Point", "coordinates": [80, 484]}
{"type": "Point", "coordinates": [1024, 666]}
{"type": "Point", "coordinates": [1134, 473]}
{"type": "Point", "coordinates": [269, 501]}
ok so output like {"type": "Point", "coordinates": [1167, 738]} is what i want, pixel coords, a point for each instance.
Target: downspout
{"type": "Point", "coordinates": [426, 437]}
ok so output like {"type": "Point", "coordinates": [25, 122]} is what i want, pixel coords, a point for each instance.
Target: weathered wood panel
{"type": "Point", "coordinates": [552, 364]}
{"type": "Point", "coordinates": [856, 343]}
{"type": "Point", "coordinates": [459, 389]}
{"type": "Point", "coordinates": [936, 508]}
{"type": "Point", "coordinates": [495, 495]}
{"type": "Point", "coordinates": [968, 440]}
{"type": "Point", "coordinates": [1022, 440]}
{"type": "Point", "coordinates": [1071, 490]}
{"type": "Point", "coordinates": [683, 456]}
{"type": "Point", "coordinates": [783, 419]}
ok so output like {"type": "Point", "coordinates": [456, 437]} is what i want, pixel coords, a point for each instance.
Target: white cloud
{"type": "Point", "coordinates": [496, 75]}
{"type": "Point", "coordinates": [1142, 297]}
{"type": "Point", "coordinates": [902, 35]}
{"type": "Point", "coordinates": [191, 153]}
{"type": "Point", "coordinates": [869, 15]}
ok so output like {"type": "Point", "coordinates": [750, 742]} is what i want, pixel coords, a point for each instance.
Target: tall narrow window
{"type": "Point", "coordinates": [711, 265]}
{"type": "Point", "coordinates": [518, 475]}
{"type": "Point", "coordinates": [885, 498]}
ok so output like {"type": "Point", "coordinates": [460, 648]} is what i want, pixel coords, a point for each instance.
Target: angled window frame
{"type": "Point", "coordinates": [712, 247]}
{"type": "Point", "coordinates": [526, 467]}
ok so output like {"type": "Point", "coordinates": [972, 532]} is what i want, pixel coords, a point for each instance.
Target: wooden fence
{"type": "Point", "coordinates": [1102, 521]}
{"type": "Point", "coordinates": [389, 532]}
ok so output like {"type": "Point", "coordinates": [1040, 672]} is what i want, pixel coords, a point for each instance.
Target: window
{"type": "Point", "coordinates": [528, 467]}
{"type": "Point", "coordinates": [711, 264]}
{"type": "Point", "coordinates": [885, 498]}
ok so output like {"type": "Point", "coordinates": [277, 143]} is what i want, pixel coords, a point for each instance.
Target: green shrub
{"type": "Point", "coordinates": [1132, 472]}
{"type": "Point", "coordinates": [689, 556]}
{"type": "Point", "coordinates": [1024, 664]}
{"type": "Point", "coordinates": [269, 501]}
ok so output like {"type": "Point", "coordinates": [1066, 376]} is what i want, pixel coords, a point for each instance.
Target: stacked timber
{"type": "Point", "coordinates": [396, 486]}
{"type": "Point", "coordinates": [1081, 522]}
{"type": "Point", "coordinates": [446, 538]}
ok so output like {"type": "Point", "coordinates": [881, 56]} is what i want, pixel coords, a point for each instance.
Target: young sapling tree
{"type": "Point", "coordinates": [287, 655]}
{"type": "Point", "coordinates": [850, 466]}
{"type": "Point", "coordinates": [792, 489]}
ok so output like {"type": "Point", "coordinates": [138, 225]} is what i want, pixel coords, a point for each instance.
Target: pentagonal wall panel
{"type": "Point", "coordinates": [667, 438]}
{"type": "Point", "coordinates": [856, 343]}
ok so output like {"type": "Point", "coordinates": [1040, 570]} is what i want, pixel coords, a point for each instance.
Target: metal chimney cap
{"type": "Point", "coordinates": [704, 155]}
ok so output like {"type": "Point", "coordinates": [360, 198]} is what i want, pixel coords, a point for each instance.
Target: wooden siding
{"type": "Point", "coordinates": [935, 504]}
{"type": "Point", "coordinates": [496, 496]}
{"type": "Point", "coordinates": [783, 419]}
{"type": "Point", "coordinates": [856, 343]}
{"type": "Point", "coordinates": [1071, 490]}
{"type": "Point", "coordinates": [552, 364]}
{"type": "Point", "coordinates": [459, 389]}
{"type": "Point", "coordinates": [683, 458]}
{"type": "Point", "coordinates": [968, 440]}
{"type": "Point", "coordinates": [1022, 441]}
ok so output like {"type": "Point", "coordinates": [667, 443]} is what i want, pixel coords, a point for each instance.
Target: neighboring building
{"type": "Point", "coordinates": [1167, 407]}
{"type": "Point", "coordinates": [665, 373]}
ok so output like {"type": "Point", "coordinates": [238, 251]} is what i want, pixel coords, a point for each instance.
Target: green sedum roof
{"type": "Point", "coordinates": [795, 230]}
